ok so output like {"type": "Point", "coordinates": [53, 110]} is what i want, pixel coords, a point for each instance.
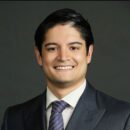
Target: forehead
{"type": "Point", "coordinates": [60, 33]}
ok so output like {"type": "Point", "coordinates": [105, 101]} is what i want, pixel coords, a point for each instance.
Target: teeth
{"type": "Point", "coordinates": [64, 67]}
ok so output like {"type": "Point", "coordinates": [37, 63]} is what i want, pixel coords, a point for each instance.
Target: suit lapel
{"type": "Point", "coordinates": [35, 117]}
{"type": "Point", "coordinates": [86, 114]}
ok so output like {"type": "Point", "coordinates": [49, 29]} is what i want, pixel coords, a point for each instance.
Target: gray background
{"type": "Point", "coordinates": [20, 76]}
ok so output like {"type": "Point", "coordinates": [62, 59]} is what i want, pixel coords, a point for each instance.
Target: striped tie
{"type": "Point", "coordinates": [56, 119]}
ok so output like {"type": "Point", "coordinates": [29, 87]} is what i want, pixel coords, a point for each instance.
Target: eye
{"type": "Point", "coordinates": [74, 48]}
{"type": "Point", "coordinates": [51, 49]}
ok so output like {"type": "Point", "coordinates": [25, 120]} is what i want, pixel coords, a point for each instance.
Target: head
{"type": "Point", "coordinates": [63, 47]}
{"type": "Point", "coordinates": [64, 16]}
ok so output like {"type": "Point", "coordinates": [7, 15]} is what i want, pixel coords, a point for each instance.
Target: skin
{"type": "Point", "coordinates": [64, 59]}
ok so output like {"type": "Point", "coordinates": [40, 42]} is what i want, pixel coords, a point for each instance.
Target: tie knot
{"type": "Point", "coordinates": [59, 106]}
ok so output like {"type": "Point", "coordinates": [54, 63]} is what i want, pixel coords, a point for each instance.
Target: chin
{"type": "Point", "coordinates": [63, 81]}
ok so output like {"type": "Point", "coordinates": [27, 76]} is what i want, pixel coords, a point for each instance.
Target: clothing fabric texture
{"type": "Point", "coordinates": [56, 119]}
{"type": "Point", "coordinates": [95, 110]}
{"type": "Point", "coordinates": [72, 99]}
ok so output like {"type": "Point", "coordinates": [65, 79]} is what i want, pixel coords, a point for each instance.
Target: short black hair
{"type": "Point", "coordinates": [64, 16]}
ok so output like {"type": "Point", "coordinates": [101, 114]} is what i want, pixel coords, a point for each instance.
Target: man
{"type": "Point", "coordinates": [63, 47]}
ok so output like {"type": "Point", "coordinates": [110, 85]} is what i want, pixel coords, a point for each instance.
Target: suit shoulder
{"type": "Point", "coordinates": [16, 113]}
{"type": "Point", "coordinates": [111, 103]}
{"type": "Point", "coordinates": [27, 104]}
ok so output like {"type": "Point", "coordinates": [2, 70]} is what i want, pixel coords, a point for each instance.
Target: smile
{"type": "Point", "coordinates": [64, 67]}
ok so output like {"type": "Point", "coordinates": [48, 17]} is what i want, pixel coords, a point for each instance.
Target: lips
{"type": "Point", "coordinates": [68, 67]}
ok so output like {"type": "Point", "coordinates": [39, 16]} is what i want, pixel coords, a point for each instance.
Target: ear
{"type": "Point", "coordinates": [38, 56]}
{"type": "Point", "coordinates": [89, 53]}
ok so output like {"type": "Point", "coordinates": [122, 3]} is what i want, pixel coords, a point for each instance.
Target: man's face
{"type": "Point", "coordinates": [64, 58]}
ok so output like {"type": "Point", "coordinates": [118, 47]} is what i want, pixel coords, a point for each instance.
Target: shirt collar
{"type": "Point", "coordinates": [72, 98]}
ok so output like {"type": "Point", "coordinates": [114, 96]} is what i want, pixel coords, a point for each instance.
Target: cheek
{"type": "Point", "coordinates": [81, 58]}
{"type": "Point", "coordinates": [48, 60]}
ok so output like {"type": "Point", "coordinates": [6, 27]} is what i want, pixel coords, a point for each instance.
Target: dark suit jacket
{"type": "Point", "coordinates": [94, 111]}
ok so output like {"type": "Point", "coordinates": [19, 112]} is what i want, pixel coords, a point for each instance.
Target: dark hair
{"type": "Point", "coordinates": [64, 16]}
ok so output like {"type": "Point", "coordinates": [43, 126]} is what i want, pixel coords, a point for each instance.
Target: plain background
{"type": "Point", "coordinates": [21, 78]}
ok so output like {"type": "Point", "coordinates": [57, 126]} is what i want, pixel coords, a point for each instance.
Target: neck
{"type": "Point", "coordinates": [62, 89]}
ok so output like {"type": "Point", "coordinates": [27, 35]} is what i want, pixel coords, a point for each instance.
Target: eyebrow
{"type": "Point", "coordinates": [79, 43]}
{"type": "Point", "coordinates": [50, 43]}
{"type": "Point", "coordinates": [53, 43]}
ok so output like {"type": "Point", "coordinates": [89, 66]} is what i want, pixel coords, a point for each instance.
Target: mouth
{"type": "Point", "coordinates": [68, 67]}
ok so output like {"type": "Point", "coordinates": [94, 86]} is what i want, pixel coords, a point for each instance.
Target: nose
{"type": "Point", "coordinates": [63, 54]}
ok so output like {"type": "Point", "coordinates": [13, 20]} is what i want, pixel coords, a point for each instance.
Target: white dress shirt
{"type": "Point", "coordinates": [72, 99]}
